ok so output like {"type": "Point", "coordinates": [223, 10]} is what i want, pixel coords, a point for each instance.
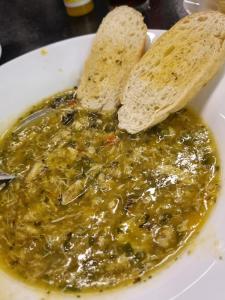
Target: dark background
{"type": "Point", "coordinates": [29, 24]}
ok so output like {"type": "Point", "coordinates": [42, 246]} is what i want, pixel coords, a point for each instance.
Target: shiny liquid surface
{"type": "Point", "coordinates": [93, 207]}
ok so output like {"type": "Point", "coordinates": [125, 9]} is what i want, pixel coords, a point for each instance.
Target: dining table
{"type": "Point", "coordinates": [27, 25]}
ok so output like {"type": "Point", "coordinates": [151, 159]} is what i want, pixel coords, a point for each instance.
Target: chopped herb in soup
{"type": "Point", "coordinates": [93, 207]}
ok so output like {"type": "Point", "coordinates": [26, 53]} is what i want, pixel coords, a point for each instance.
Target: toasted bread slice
{"type": "Point", "coordinates": [173, 70]}
{"type": "Point", "coordinates": [118, 46]}
{"type": "Point", "coordinates": [221, 5]}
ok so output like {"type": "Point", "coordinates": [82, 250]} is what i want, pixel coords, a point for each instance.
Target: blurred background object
{"type": "Point", "coordinates": [133, 3]}
{"type": "Point", "coordinates": [77, 8]}
{"type": "Point", "coordinates": [141, 5]}
{"type": "Point", "coordinates": [192, 6]}
{"type": "Point", "coordinates": [33, 24]}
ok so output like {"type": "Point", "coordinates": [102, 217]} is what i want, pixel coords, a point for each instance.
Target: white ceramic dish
{"type": "Point", "coordinates": [199, 275]}
{"type": "Point", "coordinates": [192, 6]}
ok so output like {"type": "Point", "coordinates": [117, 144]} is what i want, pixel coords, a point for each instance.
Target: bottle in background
{"type": "Point", "coordinates": [76, 8]}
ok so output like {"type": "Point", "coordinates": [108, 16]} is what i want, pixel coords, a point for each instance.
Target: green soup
{"type": "Point", "coordinates": [93, 207]}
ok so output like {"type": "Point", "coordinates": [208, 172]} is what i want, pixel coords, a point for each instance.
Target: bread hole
{"type": "Point", "coordinates": [169, 51]}
{"type": "Point", "coordinates": [156, 63]}
{"type": "Point", "coordinates": [118, 62]}
{"type": "Point", "coordinates": [175, 76]}
{"type": "Point", "coordinates": [219, 36]}
{"type": "Point", "coordinates": [186, 21]}
{"type": "Point", "coordinates": [202, 19]}
{"type": "Point", "coordinates": [120, 51]}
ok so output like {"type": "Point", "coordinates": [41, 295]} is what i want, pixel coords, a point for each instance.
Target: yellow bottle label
{"type": "Point", "coordinates": [75, 3]}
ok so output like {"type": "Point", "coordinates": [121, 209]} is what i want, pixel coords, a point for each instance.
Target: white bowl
{"type": "Point", "coordinates": [199, 275]}
{"type": "Point", "coordinates": [192, 6]}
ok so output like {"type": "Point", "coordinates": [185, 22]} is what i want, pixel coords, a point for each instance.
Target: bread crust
{"type": "Point", "coordinates": [173, 70]}
{"type": "Point", "coordinates": [118, 46]}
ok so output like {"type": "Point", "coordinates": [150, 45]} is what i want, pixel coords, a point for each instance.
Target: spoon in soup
{"type": "Point", "coordinates": [5, 178]}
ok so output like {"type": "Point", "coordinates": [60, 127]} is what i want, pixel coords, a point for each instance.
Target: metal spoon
{"type": "Point", "coordinates": [5, 178]}
{"type": "Point", "coordinates": [36, 115]}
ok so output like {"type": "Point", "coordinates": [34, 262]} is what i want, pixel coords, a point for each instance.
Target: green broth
{"type": "Point", "coordinates": [93, 207]}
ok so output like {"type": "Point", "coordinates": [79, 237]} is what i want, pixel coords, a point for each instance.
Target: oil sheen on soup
{"type": "Point", "coordinates": [93, 207]}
